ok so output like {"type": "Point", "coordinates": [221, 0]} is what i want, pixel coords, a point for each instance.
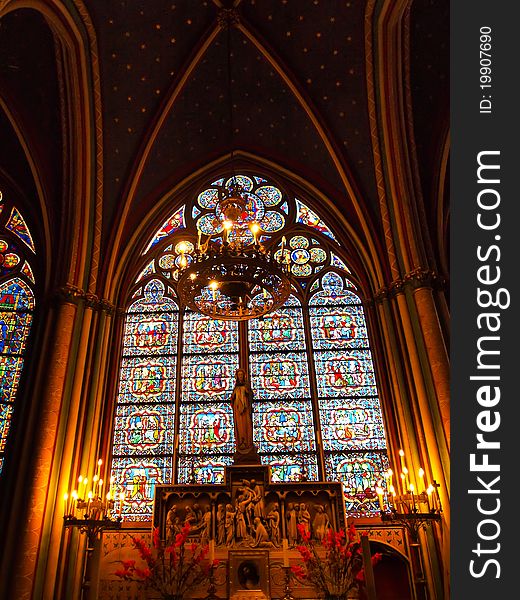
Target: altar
{"type": "Point", "coordinates": [251, 524]}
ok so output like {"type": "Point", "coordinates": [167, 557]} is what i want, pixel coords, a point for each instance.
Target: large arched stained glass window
{"type": "Point", "coordinates": [16, 308]}
{"type": "Point", "coordinates": [316, 411]}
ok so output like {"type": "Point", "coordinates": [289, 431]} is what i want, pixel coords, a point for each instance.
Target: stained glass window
{"type": "Point", "coordinates": [283, 426]}
{"type": "Point", "coordinates": [309, 362]}
{"type": "Point", "coordinates": [350, 413]}
{"type": "Point", "coordinates": [17, 303]}
{"type": "Point", "coordinates": [145, 415]}
{"type": "Point", "coordinates": [209, 363]}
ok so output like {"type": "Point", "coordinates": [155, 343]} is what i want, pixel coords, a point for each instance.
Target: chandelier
{"type": "Point", "coordinates": [234, 276]}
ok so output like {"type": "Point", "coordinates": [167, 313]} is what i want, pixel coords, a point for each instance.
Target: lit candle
{"type": "Point", "coordinates": [89, 503]}
{"type": "Point", "coordinates": [255, 228]}
{"type": "Point", "coordinates": [406, 482]}
{"type": "Point", "coordinates": [99, 463]}
{"type": "Point", "coordinates": [84, 495]}
{"type": "Point", "coordinates": [412, 490]}
{"type": "Point", "coordinates": [283, 245]}
{"type": "Point", "coordinates": [392, 497]}
{"type": "Point", "coordinates": [65, 504]}
{"type": "Point", "coordinates": [199, 239]}
{"type": "Point", "coordinates": [121, 500]}
{"type": "Point", "coordinates": [389, 474]}
{"type": "Point", "coordinates": [285, 547]}
{"type": "Point", "coordinates": [379, 492]}
{"type": "Point", "coordinates": [431, 503]}
{"type": "Point", "coordinates": [422, 486]}
{"type": "Point", "coordinates": [74, 499]}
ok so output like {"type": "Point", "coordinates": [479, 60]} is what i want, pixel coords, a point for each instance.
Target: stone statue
{"type": "Point", "coordinates": [206, 522]}
{"type": "Point", "coordinates": [173, 524]}
{"type": "Point", "coordinates": [258, 499]}
{"type": "Point", "coordinates": [241, 401]}
{"type": "Point", "coordinates": [261, 535]}
{"type": "Point", "coordinates": [221, 525]}
{"type": "Point", "coordinates": [321, 523]}
{"type": "Point", "coordinates": [292, 524]}
{"type": "Point", "coordinates": [304, 518]}
{"type": "Point", "coordinates": [230, 525]}
{"type": "Point", "coordinates": [273, 522]}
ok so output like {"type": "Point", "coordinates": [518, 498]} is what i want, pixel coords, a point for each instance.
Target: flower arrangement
{"type": "Point", "coordinates": [340, 571]}
{"type": "Point", "coordinates": [172, 571]}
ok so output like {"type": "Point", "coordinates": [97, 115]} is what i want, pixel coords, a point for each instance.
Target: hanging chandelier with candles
{"type": "Point", "coordinates": [234, 275]}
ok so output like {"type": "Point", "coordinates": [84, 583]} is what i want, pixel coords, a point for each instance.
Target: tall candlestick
{"type": "Point", "coordinates": [285, 548]}
{"type": "Point", "coordinates": [99, 463]}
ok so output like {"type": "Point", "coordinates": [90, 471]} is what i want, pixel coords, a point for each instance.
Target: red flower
{"type": "Point", "coordinates": [298, 571]}
{"type": "Point", "coordinates": [376, 558]}
{"type": "Point", "coordinates": [156, 538]}
{"type": "Point", "coordinates": [304, 532]}
{"type": "Point", "coordinates": [128, 564]}
{"type": "Point", "coordinates": [143, 573]}
{"type": "Point", "coordinates": [124, 574]}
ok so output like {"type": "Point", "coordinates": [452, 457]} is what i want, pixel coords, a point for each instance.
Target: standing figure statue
{"type": "Point", "coordinates": [242, 403]}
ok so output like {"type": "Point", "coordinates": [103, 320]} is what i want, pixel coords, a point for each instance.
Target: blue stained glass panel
{"type": "Point", "coordinates": [203, 469]}
{"type": "Point", "coordinates": [338, 327]}
{"type": "Point", "coordinates": [354, 423]}
{"type": "Point", "coordinates": [283, 426]}
{"type": "Point", "coordinates": [10, 371]}
{"type": "Point", "coordinates": [152, 333]}
{"type": "Point", "coordinates": [147, 379]}
{"type": "Point", "coordinates": [279, 330]}
{"type": "Point", "coordinates": [360, 473]}
{"type": "Point", "coordinates": [208, 378]}
{"type": "Point", "coordinates": [343, 374]}
{"type": "Point", "coordinates": [276, 376]}
{"type": "Point", "coordinates": [203, 335]}
{"type": "Point", "coordinates": [146, 429]}
{"type": "Point", "coordinates": [6, 411]}
{"type": "Point", "coordinates": [292, 468]}
{"type": "Point", "coordinates": [207, 428]}
{"type": "Point", "coordinates": [137, 478]}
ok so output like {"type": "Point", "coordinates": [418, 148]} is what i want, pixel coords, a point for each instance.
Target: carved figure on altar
{"type": "Point", "coordinates": [258, 499]}
{"type": "Point", "coordinates": [242, 403]}
{"type": "Point", "coordinates": [230, 525]}
{"type": "Point", "coordinates": [221, 525]}
{"type": "Point", "coordinates": [304, 517]}
{"type": "Point", "coordinates": [292, 524]}
{"type": "Point", "coordinates": [173, 523]}
{"type": "Point", "coordinates": [321, 523]}
{"type": "Point", "coordinates": [205, 532]}
{"type": "Point", "coordinates": [261, 535]}
{"type": "Point", "coordinates": [273, 523]}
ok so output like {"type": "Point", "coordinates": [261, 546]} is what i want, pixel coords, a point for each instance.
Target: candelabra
{"type": "Point", "coordinates": [91, 515]}
{"type": "Point", "coordinates": [413, 511]}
